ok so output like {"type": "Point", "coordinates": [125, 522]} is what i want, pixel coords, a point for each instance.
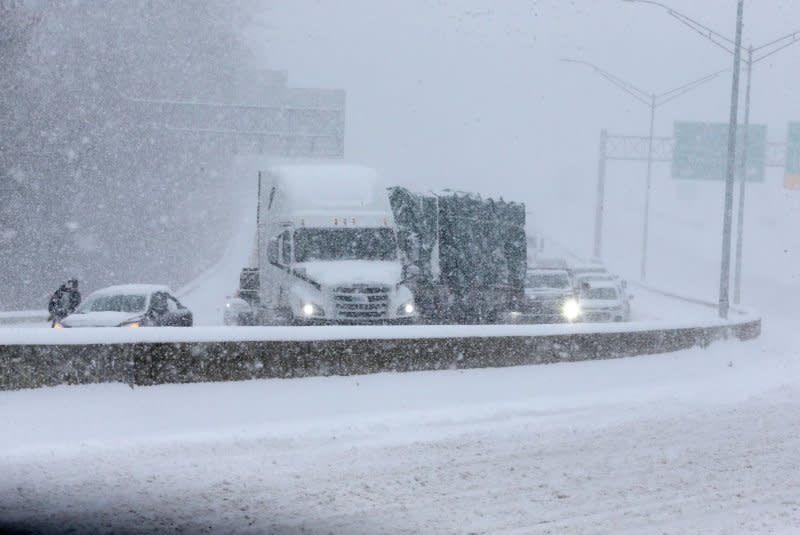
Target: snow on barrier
{"type": "Point", "coordinates": [31, 358]}
{"type": "Point", "coordinates": [15, 317]}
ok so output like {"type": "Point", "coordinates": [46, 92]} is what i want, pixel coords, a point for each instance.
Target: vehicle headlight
{"type": "Point", "coordinates": [406, 309]}
{"type": "Point", "coordinates": [132, 324]}
{"type": "Point", "coordinates": [57, 325]}
{"type": "Point", "coordinates": [571, 309]}
{"type": "Point", "coordinates": [310, 309]}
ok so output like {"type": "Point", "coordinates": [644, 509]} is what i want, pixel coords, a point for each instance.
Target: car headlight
{"type": "Point", "coordinates": [571, 309]}
{"type": "Point", "coordinates": [406, 309]}
{"type": "Point", "coordinates": [57, 325]}
{"type": "Point", "coordinates": [132, 324]}
{"type": "Point", "coordinates": [310, 309]}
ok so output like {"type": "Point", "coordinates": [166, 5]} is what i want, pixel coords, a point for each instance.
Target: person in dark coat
{"type": "Point", "coordinates": [64, 301]}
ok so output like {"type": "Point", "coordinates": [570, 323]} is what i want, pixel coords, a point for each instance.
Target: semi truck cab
{"type": "Point", "coordinates": [327, 248]}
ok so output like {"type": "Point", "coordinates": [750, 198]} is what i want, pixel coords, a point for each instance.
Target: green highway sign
{"type": "Point", "coordinates": [791, 179]}
{"type": "Point", "coordinates": [700, 151]}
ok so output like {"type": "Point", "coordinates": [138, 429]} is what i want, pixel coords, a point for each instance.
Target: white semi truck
{"type": "Point", "coordinates": [326, 249]}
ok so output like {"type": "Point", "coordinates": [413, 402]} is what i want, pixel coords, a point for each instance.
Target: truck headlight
{"type": "Point", "coordinates": [310, 309]}
{"type": "Point", "coordinates": [571, 309]}
{"type": "Point", "coordinates": [406, 309]}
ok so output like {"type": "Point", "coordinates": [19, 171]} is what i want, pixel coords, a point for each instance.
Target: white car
{"type": "Point", "coordinates": [129, 305]}
{"type": "Point", "coordinates": [593, 278]}
{"type": "Point", "coordinates": [603, 300]}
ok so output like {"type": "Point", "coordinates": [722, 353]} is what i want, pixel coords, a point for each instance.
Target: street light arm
{"type": "Point", "coordinates": [667, 96]}
{"type": "Point", "coordinates": [792, 39]}
{"type": "Point", "coordinates": [717, 38]}
{"type": "Point", "coordinates": [711, 35]}
{"type": "Point", "coordinates": [628, 88]}
{"type": "Point", "coordinates": [700, 28]}
{"type": "Point", "coordinates": [794, 36]}
{"type": "Point", "coordinates": [632, 90]}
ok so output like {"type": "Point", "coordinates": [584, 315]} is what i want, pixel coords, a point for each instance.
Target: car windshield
{"type": "Point", "coordinates": [547, 280]}
{"type": "Point", "coordinates": [604, 293]}
{"type": "Point", "coordinates": [345, 244]}
{"type": "Point", "coordinates": [114, 303]}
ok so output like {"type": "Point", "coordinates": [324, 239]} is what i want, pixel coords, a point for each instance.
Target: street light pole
{"type": "Point", "coordinates": [643, 271]}
{"type": "Point", "coordinates": [725, 267]}
{"type": "Point", "coordinates": [653, 101]}
{"type": "Point", "coordinates": [737, 277]}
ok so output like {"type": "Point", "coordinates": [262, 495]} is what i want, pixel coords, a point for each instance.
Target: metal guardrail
{"type": "Point", "coordinates": [25, 365]}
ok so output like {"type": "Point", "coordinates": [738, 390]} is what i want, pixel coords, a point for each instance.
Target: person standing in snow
{"type": "Point", "coordinates": [64, 301]}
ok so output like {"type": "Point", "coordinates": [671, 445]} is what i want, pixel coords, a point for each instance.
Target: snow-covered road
{"type": "Point", "coordinates": [700, 441]}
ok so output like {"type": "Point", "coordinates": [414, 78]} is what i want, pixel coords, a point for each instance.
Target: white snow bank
{"type": "Point", "coordinates": [46, 336]}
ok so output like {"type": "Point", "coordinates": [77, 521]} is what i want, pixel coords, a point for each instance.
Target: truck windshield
{"type": "Point", "coordinates": [547, 280]}
{"type": "Point", "coordinates": [344, 244]}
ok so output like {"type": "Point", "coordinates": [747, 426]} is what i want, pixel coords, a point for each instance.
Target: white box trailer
{"type": "Point", "coordinates": [327, 248]}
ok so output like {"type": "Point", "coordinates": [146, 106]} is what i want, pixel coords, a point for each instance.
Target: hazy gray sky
{"type": "Point", "coordinates": [474, 89]}
{"type": "Point", "coordinates": [470, 94]}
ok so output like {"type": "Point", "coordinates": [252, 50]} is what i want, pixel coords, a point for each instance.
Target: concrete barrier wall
{"type": "Point", "coordinates": [32, 366]}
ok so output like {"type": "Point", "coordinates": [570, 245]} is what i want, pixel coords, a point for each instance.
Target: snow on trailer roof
{"type": "Point", "coordinates": [327, 186]}
{"type": "Point", "coordinates": [132, 289]}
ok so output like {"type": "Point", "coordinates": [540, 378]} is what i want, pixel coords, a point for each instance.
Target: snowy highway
{"type": "Point", "coordinates": [337, 164]}
{"type": "Point", "coordinates": [697, 439]}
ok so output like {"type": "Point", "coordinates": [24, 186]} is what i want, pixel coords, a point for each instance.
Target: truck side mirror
{"type": "Point", "coordinates": [272, 251]}
{"type": "Point", "coordinates": [411, 272]}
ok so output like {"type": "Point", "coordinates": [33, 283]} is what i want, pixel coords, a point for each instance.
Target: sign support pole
{"type": "Point", "coordinates": [645, 230]}
{"type": "Point", "coordinates": [601, 192]}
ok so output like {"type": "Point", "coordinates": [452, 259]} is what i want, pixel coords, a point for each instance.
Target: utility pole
{"type": "Point", "coordinates": [725, 268]}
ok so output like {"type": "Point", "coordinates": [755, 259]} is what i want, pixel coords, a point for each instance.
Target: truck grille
{"type": "Point", "coordinates": [361, 301]}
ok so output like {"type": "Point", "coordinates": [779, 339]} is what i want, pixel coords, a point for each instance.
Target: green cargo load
{"type": "Point", "coordinates": [471, 254]}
